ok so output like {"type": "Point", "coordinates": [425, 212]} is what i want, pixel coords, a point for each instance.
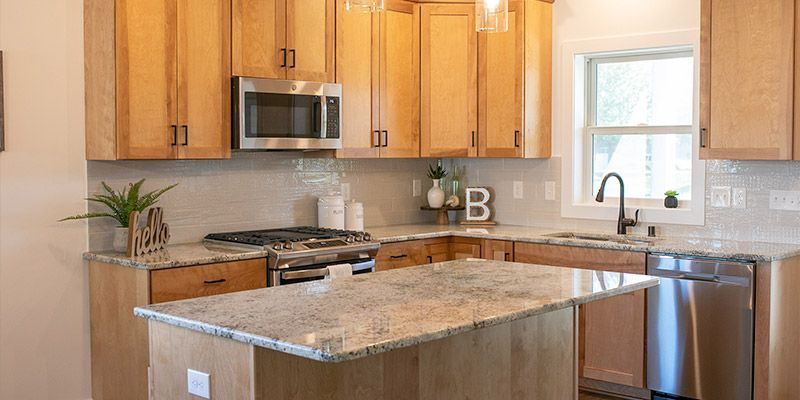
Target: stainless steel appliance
{"type": "Point", "coordinates": [700, 328]}
{"type": "Point", "coordinates": [303, 254]}
{"type": "Point", "coordinates": [271, 114]}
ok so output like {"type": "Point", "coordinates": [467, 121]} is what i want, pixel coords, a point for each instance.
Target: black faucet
{"type": "Point", "coordinates": [622, 222]}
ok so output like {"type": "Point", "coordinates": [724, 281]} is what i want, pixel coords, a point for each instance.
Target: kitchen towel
{"type": "Point", "coordinates": [339, 271]}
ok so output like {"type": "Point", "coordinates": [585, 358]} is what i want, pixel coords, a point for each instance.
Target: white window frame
{"type": "Point", "coordinates": [576, 197]}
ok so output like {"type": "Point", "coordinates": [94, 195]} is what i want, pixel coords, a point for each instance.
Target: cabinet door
{"type": "Point", "coordinates": [449, 81]}
{"type": "Point", "coordinates": [205, 280]}
{"type": "Point", "coordinates": [498, 250]}
{"type": "Point", "coordinates": [146, 62]}
{"type": "Point", "coordinates": [461, 248]}
{"type": "Point", "coordinates": [399, 79]}
{"type": "Point", "coordinates": [356, 69]}
{"type": "Point", "coordinates": [500, 85]}
{"type": "Point", "coordinates": [608, 325]}
{"type": "Point", "coordinates": [747, 79]}
{"type": "Point", "coordinates": [259, 38]}
{"type": "Point", "coordinates": [310, 40]}
{"type": "Point", "coordinates": [437, 250]}
{"type": "Point", "coordinates": [204, 71]}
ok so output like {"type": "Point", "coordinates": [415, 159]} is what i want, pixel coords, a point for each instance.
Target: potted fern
{"type": "Point", "coordinates": [435, 193]}
{"type": "Point", "coordinates": [120, 205]}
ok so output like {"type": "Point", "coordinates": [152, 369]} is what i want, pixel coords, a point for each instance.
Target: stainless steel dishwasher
{"type": "Point", "coordinates": [700, 328]}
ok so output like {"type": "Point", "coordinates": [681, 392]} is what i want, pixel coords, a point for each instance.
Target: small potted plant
{"type": "Point", "coordinates": [120, 205]}
{"type": "Point", "coordinates": [435, 193]}
{"type": "Point", "coordinates": [671, 201]}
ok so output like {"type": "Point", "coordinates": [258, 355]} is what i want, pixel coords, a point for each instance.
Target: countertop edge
{"type": "Point", "coordinates": [383, 347]}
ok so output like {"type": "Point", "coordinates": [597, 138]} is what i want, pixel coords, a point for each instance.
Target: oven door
{"type": "Point", "coordinates": [285, 115]}
{"type": "Point", "coordinates": [316, 272]}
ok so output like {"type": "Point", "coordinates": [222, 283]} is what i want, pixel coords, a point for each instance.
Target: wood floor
{"type": "Point", "coordinates": [593, 396]}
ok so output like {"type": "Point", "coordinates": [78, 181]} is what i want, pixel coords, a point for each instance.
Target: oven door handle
{"type": "Point", "coordinates": [321, 272]}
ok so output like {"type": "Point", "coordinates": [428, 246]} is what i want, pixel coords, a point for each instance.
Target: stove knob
{"type": "Point", "coordinates": [367, 237]}
{"type": "Point", "coordinates": [359, 236]}
{"type": "Point", "coordinates": [288, 245]}
{"type": "Point", "coordinates": [350, 239]}
{"type": "Point", "coordinates": [277, 246]}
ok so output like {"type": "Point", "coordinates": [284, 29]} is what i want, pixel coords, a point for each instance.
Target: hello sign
{"type": "Point", "coordinates": [151, 237]}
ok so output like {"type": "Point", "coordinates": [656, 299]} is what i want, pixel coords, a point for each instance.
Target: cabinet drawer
{"type": "Point", "coordinates": [399, 255]}
{"type": "Point", "coordinates": [206, 280]}
{"type": "Point", "coordinates": [580, 257]}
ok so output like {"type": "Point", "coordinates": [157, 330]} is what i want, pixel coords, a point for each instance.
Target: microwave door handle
{"type": "Point", "coordinates": [317, 117]}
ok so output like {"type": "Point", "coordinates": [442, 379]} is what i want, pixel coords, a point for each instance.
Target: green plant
{"type": "Point", "coordinates": [122, 203]}
{"type": "Point", "coordinates": [436, 173]}
{"type": "Point", "coordinates": [671, 193]}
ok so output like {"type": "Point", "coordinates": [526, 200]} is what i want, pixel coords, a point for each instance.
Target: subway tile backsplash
{"type": "Point", "coordinates": [263, 190]}
{"type": "Point", "coordinates": [257, 190]}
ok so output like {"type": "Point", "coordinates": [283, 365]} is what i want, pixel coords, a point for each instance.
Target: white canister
{"type": "Point", "coordinates": [330, 212]}
{"type": "Point", "coordinates": [354, 216]}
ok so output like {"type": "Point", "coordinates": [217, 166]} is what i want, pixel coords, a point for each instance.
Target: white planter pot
{"type": "Point", "coordinates": [435, 195]}
{"type": "Point", "coordinates": [120, 239]}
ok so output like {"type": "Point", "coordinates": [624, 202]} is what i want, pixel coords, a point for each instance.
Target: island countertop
{"type": "Point", "coordinates": [350, 318]}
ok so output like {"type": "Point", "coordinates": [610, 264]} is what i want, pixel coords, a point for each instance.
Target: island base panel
{"type": "Point", "coordinates": [532, 358]}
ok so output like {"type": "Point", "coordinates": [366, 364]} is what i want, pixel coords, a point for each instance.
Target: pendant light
{"type": "Point", "coordinates": [491, 15]}
{"type": "Point", "coordinates": [363, 5]}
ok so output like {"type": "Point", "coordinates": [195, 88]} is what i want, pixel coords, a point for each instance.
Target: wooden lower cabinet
{"type": "Point", "coordinates": [427, 251]}
{"type": "Point", "coordinates": [119, 340]}
{"type": "Point", "coordinates": [612, 331]}
{"type": "Point", "coordinates": [498, 250]}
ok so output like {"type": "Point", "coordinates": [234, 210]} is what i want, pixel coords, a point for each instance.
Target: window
{"type": "Point", "coordinates": [629, 104]}
{"type": "Point", "coordinates": [639, 122]}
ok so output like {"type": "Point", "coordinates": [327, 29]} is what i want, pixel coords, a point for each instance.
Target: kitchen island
{"type": "Point", "coordinates": [460, 329]}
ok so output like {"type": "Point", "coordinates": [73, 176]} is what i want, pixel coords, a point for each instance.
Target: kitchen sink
{"type": "Point", "coordinates": [632, 240]}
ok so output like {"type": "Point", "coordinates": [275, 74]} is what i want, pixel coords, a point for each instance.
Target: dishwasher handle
{"type": "Point", "coordinates": [704, 278]}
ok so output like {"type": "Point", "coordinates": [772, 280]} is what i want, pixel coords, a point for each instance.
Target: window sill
{"type": "Point", "coordinates": [609, 211]}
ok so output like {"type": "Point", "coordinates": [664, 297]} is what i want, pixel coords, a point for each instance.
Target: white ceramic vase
{"type": "Point", "coordinates": [120, 239]}
{"type": "Point", "coordinates": [436, 195]}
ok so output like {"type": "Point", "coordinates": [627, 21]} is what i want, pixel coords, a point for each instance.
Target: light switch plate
{"type": "Point", "coordinates": [416, 185]}
{"type": "Point", "coordinates": [518, 193]}
{"type": "Point", "coordinates": [721, 196]}
{"type": "Point", "coordinates": [199, 383]}
{"type": "Point", "coordinates": [549, 190]}
{"type": "Point", "coordinates": [739, 198]}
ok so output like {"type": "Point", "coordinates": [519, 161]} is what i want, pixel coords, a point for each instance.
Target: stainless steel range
{"type": "Point", "coordinates": [304, 253]}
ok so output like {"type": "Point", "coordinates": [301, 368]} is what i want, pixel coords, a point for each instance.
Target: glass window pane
{"type": "Point", "coordinates": [649, 164]}
{"type": "Point", "coordinates": [645, 92]}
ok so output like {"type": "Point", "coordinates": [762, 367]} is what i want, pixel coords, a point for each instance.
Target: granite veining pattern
{"type": "Point", "coordinates": [179, 255]}
{"type": "Point", "coordinates": [353, 317]}
{"type": "Point", "coordinates": [202, 253]}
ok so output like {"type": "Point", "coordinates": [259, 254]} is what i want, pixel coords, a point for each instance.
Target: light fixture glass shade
{"type": "Point", "coordinates": [363, 5]}
{"type": "Point", "coordinates": [491, 15]}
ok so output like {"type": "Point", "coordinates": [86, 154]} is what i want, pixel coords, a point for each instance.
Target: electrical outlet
{"type": "Point", "coordinates": [199, 383]}
{"type": "Point", "coordinates": [346, 191]}
{"type": "Point", "coordinates": [721, 196]}
{"type": "Point", "coordinates": [518, 194]}
{"type": "Point", "coordinates": [549, 190]}
{"type": "Point", "coordinates": [739, 198]}
{"type": "Point", "coordinates": [784, 200]}
{"type": "Point", "coordinates": [416, 185]}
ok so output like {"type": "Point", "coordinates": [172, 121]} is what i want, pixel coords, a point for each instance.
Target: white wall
{"type": "Point", "coordinates": [592, 19]}
{"type": "Point", "coordinates": [44, 328]}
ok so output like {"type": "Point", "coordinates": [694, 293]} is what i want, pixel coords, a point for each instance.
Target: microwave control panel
{"type": "Point", "coordinates": [332, 129]}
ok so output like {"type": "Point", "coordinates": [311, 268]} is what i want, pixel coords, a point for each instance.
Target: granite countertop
{"type": "Point", "coordinates": [349, 318]}
{"type": "Point", "coordinates": [182, 255]}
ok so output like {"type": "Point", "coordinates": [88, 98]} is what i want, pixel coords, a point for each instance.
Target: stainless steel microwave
{"type": "Point", "coordinates": [271, 114]}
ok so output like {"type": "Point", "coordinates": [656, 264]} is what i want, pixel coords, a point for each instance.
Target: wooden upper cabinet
{"type": "Point", "coordinates": [310, 39]}
{"type": "Point", "coordinates": [204, 94]}
{"type": "Point", "coordinates": [146, 83]}
{"type": "Point", "coordinates": [399, 79]}
{"type": "Point", "coordinates": [538, 95]}
{"type": "Point", "coordinates": [748, 80]}
{"type": "Point", "coordinates": [259, 38]}
{"type": "Point", "coordinates": [377, 58]}
{"type": "Point", "coordinates": [501, 64]}
{"type": "Point", "coordinates": [356, 69]}
{"type": "Point", "coordinates": [160, 86]}
{"type": "Point", "coordinates": [284, 39]}
{"type": "Point", "coordinates": [449, 92]}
